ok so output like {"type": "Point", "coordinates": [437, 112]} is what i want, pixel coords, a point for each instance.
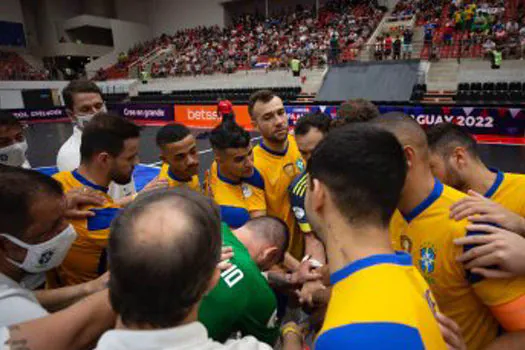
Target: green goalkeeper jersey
{"type": "Point", "coordinates": [242, 301]}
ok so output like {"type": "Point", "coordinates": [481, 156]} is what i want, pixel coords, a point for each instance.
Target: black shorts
{"type": "Point", "coordinates": [297, 73]}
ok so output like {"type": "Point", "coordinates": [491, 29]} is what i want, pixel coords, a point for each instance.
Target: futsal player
{"type": "Point", "coordinates": [233, 182]}
{"type": "Point", "coordinates": [278, 160]}
{"type": "Point", "coordinates": [109, 152]}
{"type": "Point", "coordinates": [422, 226]}
{"type": "Point", "coordinates": [455, 160]}
{"type": "Point", "coordinates": [13, 144]}
{"type": "Point", "coordinates": [178, 151]}
{"type": "Point", "coordinates": [83, 100]}
{"type": "Point", "coordinates": [242, 301]}
{"type": "Point", "coordinates": [379, 300]}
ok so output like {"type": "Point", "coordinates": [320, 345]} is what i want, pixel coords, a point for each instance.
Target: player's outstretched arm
{"type": "Point", "coordinates": [499, 247]}
{"type": "Point", "coordinates": [479, 209]}
{"type": "Point", "coordinates": [77, 327]}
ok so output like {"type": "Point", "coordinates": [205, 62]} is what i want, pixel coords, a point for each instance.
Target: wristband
{"type": "Point", "coordinates": [291, 329]}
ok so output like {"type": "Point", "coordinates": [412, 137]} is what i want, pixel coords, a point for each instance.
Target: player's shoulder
{"type": "Point", "coordinates": [256, 179]}
{"type": "Point", "coordinates": [450, 196]}
{"type": "Point", "coordinates": [514, 179]}
{"type": "Point", "coordinates": [299, 184]}
{"type": "Point", "coordinates": [64, 177]}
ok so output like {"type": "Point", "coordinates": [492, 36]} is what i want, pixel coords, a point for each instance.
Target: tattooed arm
{"type": "Point", "coordinates": [77, 327]}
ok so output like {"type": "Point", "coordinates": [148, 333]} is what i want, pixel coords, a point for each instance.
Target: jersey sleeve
{"type": "Point", "coordinates": [371, 336]}
{"type": "Point", "coordinates": [297, 192]}
{"type": "Point", "coordinates": [505, 297]}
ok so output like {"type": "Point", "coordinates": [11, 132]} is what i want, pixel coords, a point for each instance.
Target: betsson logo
{"type": "Point", "coordinates": [202, 115]}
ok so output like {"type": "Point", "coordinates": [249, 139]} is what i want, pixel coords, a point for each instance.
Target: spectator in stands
{"type": "Point", "coordinates": [448, 33]}
{"type": "Point", "coordinates": [488, 46]}
{"type": "Point", "coordinates": [13, 144]}
{"type": "Point", "coordinates": [407, 43]}
{"type": "Point", "coordinates": [388, 46]}
{"type": "Point", "coordinates": [379, 48]}
{"type": "Point", "coordinates": [397, 48]}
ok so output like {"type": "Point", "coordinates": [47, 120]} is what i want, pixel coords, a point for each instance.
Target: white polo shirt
{"type": "Point", "coordinates": [68, 159]}
{"type": "Point", "coordinates": [191, 336]}
{"type": "Point", "coordinates": [17, 304]}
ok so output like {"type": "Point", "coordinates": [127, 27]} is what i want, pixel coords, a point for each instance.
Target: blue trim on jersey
{"type": "Point", "coordinates": [235, 217]}
{"type": "Point", "coordinates": [399, 258]}
{"type": "Point", "coordinates": [432, 197]}
{"type": "Point", "coordinates": [275, 153]}
{"type": "Point", "coordinates": [176, 178]}
{"type": "Point", "coordinates": [88, 183]}
{"type": "Point", "coordinates": [255, 180]}
{"type": "Point", "coordinates": [225, 179]}
{"type": "Point", "coordinates": [371, 336]}
{"type": "Point", "coordinates": [102, 219]}
{"type": "Point", "coordinates": [500, 176]}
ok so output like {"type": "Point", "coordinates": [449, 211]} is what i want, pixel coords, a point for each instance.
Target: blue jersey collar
{"type": "Point", "coordinates": [175, 177]}
{"type": "Point", "coordinates": [427, 202]}
{"type": "Point", "coordinates": [225, 179]}
{"type": "Point", "coordinates": [88, 183]}
{"type": "Point", "coordinates": [275, 153]}
{"type": "Point", "coordinates": [497, 183]}
{"type": "Point", "coordinates": [399, 258]}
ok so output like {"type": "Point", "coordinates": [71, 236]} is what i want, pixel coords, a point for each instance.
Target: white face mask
{"type": "Point", "coordinates": [47, 255]}
{"type": "Point", "coordinates": [14, 155]}
{"type": "Point", "coordinates": [83, 119]}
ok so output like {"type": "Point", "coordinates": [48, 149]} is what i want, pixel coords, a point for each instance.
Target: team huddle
{"type": "Point", "coordinates": [362, 232]}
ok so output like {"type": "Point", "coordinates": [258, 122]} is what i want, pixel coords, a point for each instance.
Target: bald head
{"type": "Point", "coordinates": [270, 231]}
{"type": "Point", "coordinates": [406, 130]}
{"type": "Point", "coordinates": [163, 250]}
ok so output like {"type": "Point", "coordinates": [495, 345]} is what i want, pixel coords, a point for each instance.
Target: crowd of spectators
{"type": "Point", "coordinates": [255, 42]}
{"type": "Point", "coordinates": [13, 67]}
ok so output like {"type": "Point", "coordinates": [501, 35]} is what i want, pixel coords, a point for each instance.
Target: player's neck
{"type": "Point", "coordinates": [416, 190]}
{"type": "Point", "coordinates": [276, 146]}
{"type": "Point", "coordinates": [94, 175]}
{"type": "Point", "coordinates": [228, 175]}
{"type": "Point", "coordinates": [346, 244]}
{"type": "Point", "coordinates": [480, 178]}
{"type": "Point", "coordinates": [192, 317]}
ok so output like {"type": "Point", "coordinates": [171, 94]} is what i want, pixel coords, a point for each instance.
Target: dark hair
{"type": "Point", "coordinates": [272, 230]}
{"type": "Point", "coordinates": [19, 189]}
{"type": "Point", "coordinates": [263, 96]}
{"type": "Point", "coordinates": [444, 137]}
{"type": "Point", "coordinates": [106, 133]}
{"type": "Point", "coordinates": [6, 119]}
{"type": "Point", "coordinates": [78, 87]}
{"type": "Point", "coordinates": [171, 133]}
{"type": "Point", "coordinates": [229, 134]}
{"type": "Point", "coordinates": [158, 280]}
{"type": "Point", "coordinates": [358, 110]}
{"type": "Point", "coordinates": [364, 168]}
{"type": "Point", "coordinates": [318, 120]}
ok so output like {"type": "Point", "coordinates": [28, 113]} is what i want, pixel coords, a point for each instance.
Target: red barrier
{"type": "Point", "coordinates": [205, 117]}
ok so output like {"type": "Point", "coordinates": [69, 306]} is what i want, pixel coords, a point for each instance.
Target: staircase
{"type": "Point", "coordinates": [443, 75]}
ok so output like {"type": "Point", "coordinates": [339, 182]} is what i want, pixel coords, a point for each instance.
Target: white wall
{"type": "Point", "coordinates": [11, 99]}
{"type": "Point", "coordinates": [125, 36]}
{"type": "Point", "coordinates": [11, 11]}
{"type": "Point", "coordinates": [133, 10]}
{"type": "Point", "coordinates": [168, 16]}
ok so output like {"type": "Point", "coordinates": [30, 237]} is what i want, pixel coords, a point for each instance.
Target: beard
{"type": "Point", "coordinates": [454, 180]}
{"type": "Point", "coordinates": [121, 178]}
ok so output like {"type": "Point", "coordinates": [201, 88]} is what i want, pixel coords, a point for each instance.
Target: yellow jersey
{"type": "Point", "coordinates": [427, 233]}
{"type": "Point", "coordinates": [87, 258]}
{"type": "Point", "coordinates": [174, 181]}
{"type": "Point", "coordinates": [236, 199]}
{"type": "Point", "coordinates": [278, 170]}
{"type": "Point", "coordinates": [508, 190]}
{"type": "Point", "coordinates": [380, 302]}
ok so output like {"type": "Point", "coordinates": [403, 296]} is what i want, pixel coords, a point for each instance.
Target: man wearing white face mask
{"type": "Point", "coordinates": [34, 238]}
{"type": "Point", "coordinates": [83, 100]}
{"type": "Point", "coordinates": [13, 145]}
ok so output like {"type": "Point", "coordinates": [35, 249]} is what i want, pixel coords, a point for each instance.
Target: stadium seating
{"type": "Point", "coordinates": [491, 92]}
{"type": "Point", "coordinates": [13, 67]}
{"type": "Point", "coordinates": [207, 96]}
